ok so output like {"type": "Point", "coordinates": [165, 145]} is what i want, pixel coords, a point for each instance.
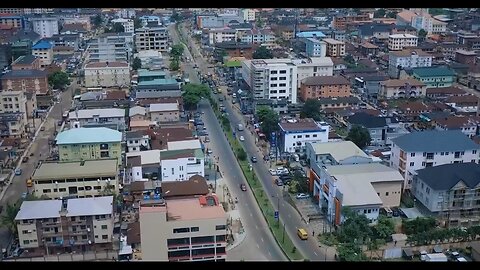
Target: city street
{"type": "Point", "coordinates": [40, 148]}
{"type": "Point", "coordinates": [288, 214]}
{"type": "Point", "coordinates": [259, 243]}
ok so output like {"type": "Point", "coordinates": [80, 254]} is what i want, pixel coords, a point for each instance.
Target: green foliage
{"type": "Point", "coordinates": [137, 23]}
{"type": "Point", "coordinates": [328, 239]}
{"type": "Point", "coordinates": [437, 11]}
{"type": "Point", "coordinates": [59, 80]}
{"type": "Point", "coordinates": [418, 225]}
{"type": "Point", "coordinates": [384, 228]}
{"type": "Point", "coordinates": [8, 217]}
{"type": "Point", "coordinates": [392, 14]}
{"type": "Point", "coordinates": [97, 20]}
{"type": "Point", "coordinates": [262, 53]}
{"type": "Point", "coordinates": [311, 109]}
{"type": "Point", "coordinates": [350, 252]}
{"type": "Point", "coordinates": [193, 93]}
{"type": "Point", "coordinates": [380, 13]}
{"type": "Point", "coordinates": [355, 228]}
{"type": "Point", "coordinates": [137, 63]}
{"type": "Point", "coordinates": [422, 33]}
{"type": "Point", "coordinates": [175, 16]}
{"type": "Point", "coordinates": [359, 136]}
{"type": "Point", "coordinates": [269, 120]}
{"type": "Point", "coordinates": [349, 59]}
{"type": "Point", "coordinates": [116, 28]}
{"type": "Point", "coordinates": [174, 65]}
{"type": "Point", "coordinates": [300, 182]}
{"type": "Point", "coordinates": [177, 51]}
{"type": "Point", "coordinates": [241, 154]}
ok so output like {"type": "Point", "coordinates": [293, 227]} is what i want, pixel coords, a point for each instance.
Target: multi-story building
{"type": "Point", "coordinates": [44, 51]}
{"type": "Point", "coordinates": [79, 224]}
{"type": "Point", "coordinates": [111, 47]}
{"type": "Point", "coordinates": [12, 125]}
{"type": "Point", "coordinates": [137, 141]}
{"type": "Point", "coordinates": [26, 62]}
{"type": "Point", "coordinates": [7, 20]}
{"type": "Point", "coordinates": [154, 20]}
{"type": "Point", "coordinates": [313, 66]}
{"type": "Point", "coordinates": [450, 192]}
{"type": "Point", "coordinates": [126, 13]}
{"type": "Point", "coordinates": [222, 35]}
{"type": "Point", "coordinates": [466, 57]}
{"type": "Point", "coordinates": [271, 78]}
{"type": "Point", "coordinates": [111, 117]}
{"type": "Point", "coordinates": [335, 153]}
{"type": "Point", "coordinates": [468, 125]}
{"type": "Point", "coordinates": [324, 87]}
{"type": "Point", "coordinates": [435, 77]}
{"type": "Point", "coordinates": [418, 150]}
{"type": "Point", "coordinates": [12, 101]}
{"type": "Point", "coordinates": [164, 112]}
{"type": "Point", "coordinates": [33, 81]}
{"type": "Point", "coordinates": [426, 22]}
{"type": "Point", "coordinates": [315, 48]}
{"type": "Point", "coordinates": [249, 14]}
{"type": "Point", "coordinates": [91, 178]}
{"type": "Point", "coordinates": [295, 134]}
{"type": "Point", "coordinates": [78, 20]}
{"type": "Point", "coordinates": [180, 165]}
{"type": "Point", "coordinates": [45, 26]}
{"type": "Point", "coordinates": [405, 59]}
{"type": "Point", "coordinates": [191, 229]}
{"type": "Point", "coordinates": [335, 48]}
{"type": "Point", "coordinates": [126, 23]}
{"type": "Point", "coordinates": [402, 88]}
{"type": "Point", "coordinates": [158, 88]}
{"type": "Point", "coordinates": [342, 22]}
{"type": "Point", "coordinates": [107, 74]}
{"type": "Point", "coordinates": [151, 38]}
{"type": "Point", "coordinates": [79, 144]}
{"type": "Point", "coordinates": [398, 42]}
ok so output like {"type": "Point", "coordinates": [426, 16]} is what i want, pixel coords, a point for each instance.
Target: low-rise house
{"type": "Point", "coordinates": [398, 42]}
{"type": "Point", "coordinates": [403, 88]}
{"type": "Point", "coordinates": [195, 186]}
{"type": "Point", "coordinates": [368, 49]}
{"type": "Point", "coordinates": [295, 134]}
{"type": "Point", "coordinates": [142, 166]}
{"type": "Point", "coordinates": [26, 62]}
{"type": "Point", "coordinates": [158, 88]}
{"type": "Point", "coordinates": [91, 178]}
{"type": "Point", "coordinates": [339, 102]}
{"type": "Point", "coordinates": [338, 65]}
{"type": "Point", "coordinates": [335, 153]}
{"type": "Point", "coordinates": [137, 141]}
{"type": "Point", "coordinates": [98, 118]}
{"type": "Point", "coordinates": [82, 224]}
{"type": "Point", "coordinates": [80, 144]}
{"type": "Point", "coordinates": [165, 134]}
{"type": "Point", "coordinates": [434, 77]}
{"type": "Point", "coordinates": [411, 111]}
{"type": "Point", "coordinates": [164, 112]}
{"type": "Point", "coordinates": [444, 92]}
{"type": "Point", "coordinates": [450, 191]}
{"type": "Point", "coordinates": [371, 84]}
{"type": "Point", "coordinates": [180, 165]}
{"type": "Point", "coordinates": [324, 87]}
{"type": "Point", "coordinates": [465, 104]}
{"type": "Point", "coordinates": [418, 150]}
{"type": "Point", "coordinates": [406, 59]}
{"type": "Point", "coordinates": [468, 125]}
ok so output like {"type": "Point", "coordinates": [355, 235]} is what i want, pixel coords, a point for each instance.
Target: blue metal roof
{"type": "Point", "coordinates": [42, 45]}
{"type": "Point", "coordinates": [310, 34]}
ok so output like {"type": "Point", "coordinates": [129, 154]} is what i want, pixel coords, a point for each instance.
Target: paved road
{"type": "Point", "coordinates": [288, 214]}
{"type": "Point", "coordinates": [39, 147]}
{"type": "Point", "coordinates": [259, 243]}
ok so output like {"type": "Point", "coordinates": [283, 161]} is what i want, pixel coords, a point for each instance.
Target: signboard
{"type": "Point", "coordinates": [273, 139]}
{"type": "Point", "coordinates": [276, 215]}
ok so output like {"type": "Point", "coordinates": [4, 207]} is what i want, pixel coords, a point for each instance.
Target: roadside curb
{"type": "Point", "coordinates": [240, 238]}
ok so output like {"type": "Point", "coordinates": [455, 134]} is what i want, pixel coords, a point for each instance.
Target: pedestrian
{"type": "Point", "coordinates": [313, 233]}
{"type": "Point", "coordinates": [395, 243]}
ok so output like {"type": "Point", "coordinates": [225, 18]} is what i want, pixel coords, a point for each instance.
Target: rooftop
{"type": "Point", "coordinates": [88, 135]}
{"type": "Point", "coordinates": [157, 82]}
{"type": "Point", "coordinates": [106, 64]}
{"type": "Point", "coordinates": [163, 107]}
{"type": "Point", "coordinates": [367, 120]}
{"type": "Point", "coordinates": [42, 45]}
{"type": "Point", "coordinates": [90, 113]}
{"type": "Point", "coordinates": [306, 124]}
{"type": "Point", "coordinates": [402, 82]}
{"type": "Point", "coordinates": [146, 157]}
{"type": "Point", "coordinates": [182, 153]}
{"type": "Point", "coordinates": [435, 141]}
{"type": "Point", "coordinates": [25, 60]}
{"type": "Point", "coordinates": [325, 80]}
{"type": "Point", "coordinates": [24, 73]}
{"type": "Point", "coordinates": [39, 209]}
{"type": "Point", "coordinates": [150, 73]}
{"type": "Point", "coordinates": [196, 185]}
{"type": "Point", "coordinates": [137, 110]}
{"type": "Point", "coordinates": [64, 170]}
{"type": "Point", "coordinates": [336, 100]}
{"type": "Point", "coordinates": [333, 41]}
{"type": "Point", "coordinates": [194, 209]}
{"type": "Point", "coordinates": [339, 150]}
{"type": "Point", "coordinates": [433, 71]}
{"type": "Point", "coordinates": [90, 206]}
{"type": "Point", "coordinates": [409, 52]}
{"type": "Point", "coordinates": [445, 177]}
{"type": "Point", "coordinates": [184, 144]}
{"type": "Point", "coordinates": [446, 90]}
{"type": "Point", "coordinates": [402, 36]}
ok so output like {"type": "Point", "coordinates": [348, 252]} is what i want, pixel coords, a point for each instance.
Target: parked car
{"type": "Point", "coordinates": [18, 172]}
{"type": "Point", "coordinates": [243, 187]}
{"type": "Point", "coordinates": [253, 159]}
{"type": "Point", "coordinates": [24, 195]}
{"type": "Point", "coordinates": [273, 172]}
{"type": "Point", "coordinates": [278, 182]}
{"type": "Point", "coordinates": [242, 138]}
{"type": "Point", "coordinates": [209, 151]}
{"type": "Point", "coordinates": [207, 139]}
{"type": "Point", "coordinates": [302, 196]}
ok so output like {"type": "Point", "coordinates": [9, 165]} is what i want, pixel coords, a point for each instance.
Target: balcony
{"type": "Point", "coordinates": [51, 233]}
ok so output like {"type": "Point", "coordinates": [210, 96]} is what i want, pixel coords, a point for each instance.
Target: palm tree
{"type": "Point", "coordinates": [8, 219]}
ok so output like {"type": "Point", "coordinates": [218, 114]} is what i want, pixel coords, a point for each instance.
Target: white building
{"type": "Point", "coordinates": [126, 13]}
{"type": "Point", "coordinates": [97, 117]}
{"type": "Point", "coordinates": [426, 22]}
{"type": "Point", "coordinates": [295, 134]}
{"type": "Point", "coordinates": [336, 153]}
{"type": "Point", "coordinates": [111, 47]}
{"type": "Point", "coordinates": [44, 51]}
{"type": "Point", "coordinates": [271, 78]}
{"type": "Point", "coordinates": [141, 165]}
{"type": "Point", "coordinates": [180, 165]}
{"type": "Point", "coordinates": [136, 140]}
{"type": "Point", "coordinates": [164, 112]}
{"type": "Point", "coordinates": [407, 58]}
{"type": "Point", "coordinates": [150, 20]}
{"type": "Point", "coordinates": [45, 26]}
{"type": "Point", "coordinates": [313, 66]}
{"type": "Point", "coordinates": [397, 42]}
{"type": "Point", "coordinates": [315, 47]}
{"type": "Point", "coordinates": [107, 74]}
{"type": "Point", "coordinates": [126, 23]}
{"type": "Point", "coordinates": [249, 14]}
{"type": "Point", "coordinates": [221, 35]}
{"type": "Point", "coordinates": [151, 38]}
{"type": "Point", "coordinates": [418, 150]}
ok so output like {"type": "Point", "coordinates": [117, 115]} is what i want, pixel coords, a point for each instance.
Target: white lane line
{"type": "Point", "coordinates": [256, 227]}
{"type": "Point", "coordinates": [258, 246]}
{"type": "Point", "coordinates": [315, 253]}
{"type": "Point", "coordinates": [262, 240]}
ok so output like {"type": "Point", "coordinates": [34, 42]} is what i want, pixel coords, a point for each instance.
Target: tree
{"type": "Point", "coordinates": [350, 252]}
{"type": "Point", "coordinates": [419, 224]}
{"type": "Point", "coordinates": [193, 93]}
{"type": "Point", "coordinates": [355, 229]}
{"type": "Point", "coordinates": [177, 51]}
{"type": "Point", "coordinates": [241, 154]}
{"type": "Point", "coordinates": [8, 218]}
{"type": "Point", "coordinates": [422, 34]}
{"type": "Point", "coordinates": [174, 65]}
{"type": "Point", "coordinates": [384, 228]}
{"type": "Point", "coordinates": [349, 59]}
{"type": "Point", "coordinates": [311, 109]}
{"type": "Point", "coordinates": [359, 136]}
{"type": "Point", "coordinates": [58, 80]}
{"type": "Point", "coordinates": [117, 28]}
{"type": "Point", "coordinates": [301, 182]}
{"type": "Point", "coordinates": [137, 63]}
{"type": "Point", "coordinates": [262, 53]}
{"type": "Point", "coordinates": [98, 20]}
{"type": "Point", "coordinates": [269, 120]}
{"type": "Point", "coordinates": [392, 14]}
{"type": "Point", "coordinates": [380, 13]}
{"type": "Point", "coordinates": [175, 16]}
{"type": "Point", "coordinates": [137, 23]}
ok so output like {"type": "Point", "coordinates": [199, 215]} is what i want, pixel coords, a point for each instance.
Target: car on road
{"type": "Point", "coordinates": [253, 159]}
{"type": "Point", "coordinates": [302, 196]}
{"type": "Point", "coordinates": [243, 187]}
{"type": "Point", "coordinates": [209, 151]}
{"type": "Point", "coordinates": [242, 138]}
{"type": "Point", "coordinates": [42, 128]}
{"type": "Point", "coordinates": [272, 172]}
{"type": "Point", "coordinates": [24, 195]}
{"type": "Point", "coordinates": [278, 182]}
{"type": "Point", "coordinates": [25, 159]}
{"type": "Point", "coordinates": [18, 172]}
{"type": "Point", "coordinates": [206, 139]}
{"type": "Point", "coordinates": [282, 170]}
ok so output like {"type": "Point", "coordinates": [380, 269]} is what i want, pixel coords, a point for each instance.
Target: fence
{"type": "Point", "coordinates": [108, 255]}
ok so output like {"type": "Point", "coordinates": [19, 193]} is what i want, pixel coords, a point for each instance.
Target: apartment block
{"type": "Point", "coordinates": [112, 47]}
{"type": "Point", "coordinates": [126, 23]}
{"type": "Point", "coordinates": [190, 229]}
{"type": "Point", "coordinates": [45, 26]}
{"type": "Point", "coordinates": [44, 51]}
{"type": "Point", "coordinates": [151, 38]}
{"type": "Point", "coordinates": [398, 42]}
{"type": "Point", "coordinates": [221, 35]}
{"type": "Point", "coordinates": [403, 88]}
{"type": "Point", "coordinates": [419, 150]}
{"type": "Point", "coordinates": [113, 118]}
{"type": "Point", "coordinates": [315, 48]}
{"type": "Point", "coordinates": [107, 74]}
{"type": "Point", "coordinates": [313, 66]}
{"type": "Point", "coordinates": [82, 179]}
{"type": "Point", "coordinates": [15, 102]}
{"type": "Point", "coordinates": [405, 59]}
{"type": "Point", "coordinates": [324, 87]}
{"type": "Point", "coordinates": [7, 20]}
{"type": "Point", "coordinates": [32, 81]}
{"type": "Point", "coordinates": [296, 133]}
{"type": "Point", "coordinates": [80, 225]}
{"type": "Point", "coordinates": [12, 125]}
{"type": "Point", "coordinates": [181, 164]}
{"type": "Point", "coordinates": [435, 77]}
{"type": "Point", "coordinates": [335, 48]}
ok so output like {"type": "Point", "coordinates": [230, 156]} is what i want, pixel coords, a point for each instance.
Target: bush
{"type": "Point", "coordinates": [241, 154]}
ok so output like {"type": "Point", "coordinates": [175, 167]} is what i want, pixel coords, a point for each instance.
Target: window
{"type": "Point", "coordinates": [173, 170]}
{"type": "Point", "coordinates": [283, 78]}
{"type": "Point", "coordinates": [181, 230]}
{"type": "Point", "coordinates": [474, 152]}
{"type": "Point", "coordinates": [194, 229]}
{"type": "Point", "coordinates": [47, 190]}
{"type": "Point", "coordinates": [412, 163]}
{"type": "Point", "coordinates": [427, 190]}
{"type": "Point", "coordinates": [26, 242]}
{"type": "Point", "coordinates": [220, 227]}
{"type": "Point", "coordinates": [97, 187]}
{"type": "Point", "coordinates": [104, 227]}
{"type": "Point", "coordinates": [423, 163]}
{"type": "Point", "coordinates": [386, 193]}
{"type": "Point", "coordinates": [299, 136]}
{"type": "Point", "coordinates": [273, 85]}
{"type": "Point", "coordinates": [273, 72]}
{"type": "Point", "coordinates": [307, 136]}
{"type": "Point", "coordinates": [105, 237]}
{"type": "Point", "coordinates": [369, 211]}
{"type": "Point", "coordinates": [412, 154]}
{"type": "Point", "coordinates": [364, 211]}
{"type": "Point", "coordinates": [283, 71]}
{"type": "Point", "coordinates": [62, 189]}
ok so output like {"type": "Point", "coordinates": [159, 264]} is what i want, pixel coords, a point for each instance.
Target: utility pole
{"type": "Point", "coordinates": [283, 235]}
{"type": "Point", "coordinates": [215, 166]}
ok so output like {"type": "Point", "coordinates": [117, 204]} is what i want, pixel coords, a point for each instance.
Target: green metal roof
{"type": "Point", "coordinates": [433, 72]}
{"type": "Point", "coordinates": [158, 82]}
{"type": "Point", "coordinates": [149, 73]}
{"type": "Point", "coordinates": [234, 63]}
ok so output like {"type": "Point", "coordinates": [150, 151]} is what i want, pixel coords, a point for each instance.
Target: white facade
{"type": "Point", "coordinates": [249, 14]}
{"type": "Point", "coordinates": [126, 23]}
{"type": "Point", "coordinates": [107, 74]}
{"type": "Point", "coordinates": [414, 59]}
{"type": "Point", "coordinates": [408, 162]}
{"type": "Point", "coordinates": [81, 118]}
{"type": "Point", "coordinates": [45, 55]}
{"type": "Point", "coordinates": [111, 47]}
{"type": "Point", "coordinates": [181, 169]}
{"type": "Point", "coordinates": [398, 42]}
{"type": "Point", "coordinates": [126, 13]}
{"type": "Point", "coordinates": [271, 78]}
{"type": "Point", "coordinates": [426, 22]}
{"type": "Point", "coordinates": [45, 27]}
{"type": "Point", "coordinates": [293, 141]}
{"type": "Point", "coordinates": [315, 66]}
{"type": "Point", "coordinates": [221, 35]}
{"type": "Point", "coordinates": [133, 145]}
{"type": "Point", "coordinates": [151, 38]}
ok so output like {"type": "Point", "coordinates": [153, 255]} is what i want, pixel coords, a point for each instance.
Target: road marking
{"type": "Point", "coordinates": [251, 214]}
{"type": "Point", "coordinates": [315, 253]}
{"type": "Point", "coordinates": [258, 246]}
{"type": "Point", "coordinates": [262, 240]}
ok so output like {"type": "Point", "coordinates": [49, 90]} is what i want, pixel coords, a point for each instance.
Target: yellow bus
{"type": "Point", "coordinates": [29, 183]}
{"type": "Point", "coordinates": [302, 233]}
